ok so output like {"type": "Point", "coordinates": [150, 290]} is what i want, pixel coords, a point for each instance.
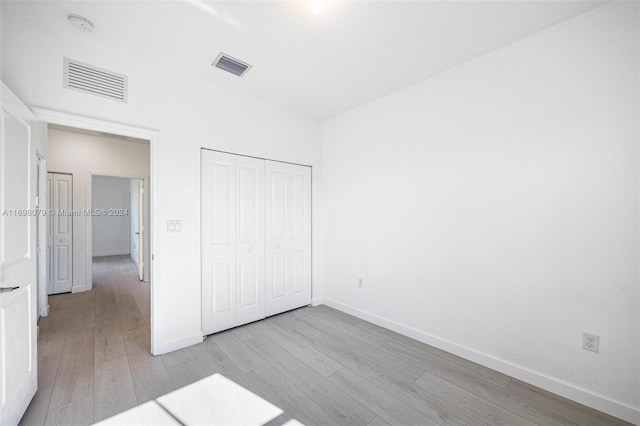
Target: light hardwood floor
{"type": "Point", "coordinates": [319, 365]}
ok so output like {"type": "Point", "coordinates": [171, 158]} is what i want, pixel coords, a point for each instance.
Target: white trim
{"type": "Point", "coordinates": [89, 123]}
{"type": "Point", "coordinates": [79, 288]}
{"type": "Point", "coordinates": [182, 342]}
{"type": "Point", "coordinates": [95, 124]}
{"type": "Point", "coordinates": [43, 291]}
{"type": "Point", "coordinates": [317, 301]}
{"type": "Point", "coordinates": [560, 387]}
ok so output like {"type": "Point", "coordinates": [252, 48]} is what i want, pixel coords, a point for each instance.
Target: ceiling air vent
{"type": "Point", "coordinates": [232, 65]}
{"type": "Point", "coordinates": [96, 81]}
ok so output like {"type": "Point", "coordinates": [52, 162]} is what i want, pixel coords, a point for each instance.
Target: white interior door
{"type": "Point", "coordinates": [141, 230]}
{"type": "Point", "coordinates": [219, 292]}
{"type": "Point", "coordinates": [250, 246]}
{"type": "Point", "coordinates": [232, 240]}
{"type": "Point", "coordinates": [300, 243]}
{"type": "Point", "coordinates": [256, 239]}
{"type": "Point", "coordinates": [288, 236]}
{"type": "Point", "coordinates": [136, 228]}
{"type": "Point", "coordinates": [61, 203]}
{"type": "Point", "coordinates": [18, 309]}
{"type": "Point", "coordinates": [278, 236]}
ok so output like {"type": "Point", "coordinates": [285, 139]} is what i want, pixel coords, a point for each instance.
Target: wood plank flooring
{"type": "Point", "coordinates": [321, 366]}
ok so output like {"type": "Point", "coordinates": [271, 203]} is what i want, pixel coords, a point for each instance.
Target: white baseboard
{"type": "Point", "coordinates": [79, 288]}
{"type": "Point", "coordinates": [44, 312]}
{"type": "Point", "coordinates": [174, 345]}
{"type": "Point", "coordinates": [541, 380]}
{"type": "Point", "coordinates": [317, 301]}
{"type": "Point", "coordinates": [110, 253]}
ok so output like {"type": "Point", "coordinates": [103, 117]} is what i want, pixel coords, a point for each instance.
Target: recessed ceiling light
{"type": "Point", "coordinates": [317, 7]}
{"type": "Point", "coordinates": [80, 23]}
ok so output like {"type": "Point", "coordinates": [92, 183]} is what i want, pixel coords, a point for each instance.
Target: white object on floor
{"type": "Point", "coordinates": [149, 413]}
{"type": "Point", "coordinates": [292, 422]}
{"type": "Point", "coordinates": [216, 400]}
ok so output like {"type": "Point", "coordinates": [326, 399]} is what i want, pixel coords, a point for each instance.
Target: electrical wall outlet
{"type": "Point", "coordinates": [590, 342]}
{"type": "Point", "coordinates": [360, 283]}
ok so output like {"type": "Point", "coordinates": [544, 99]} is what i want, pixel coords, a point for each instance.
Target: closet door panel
{"type": "Point", "coordinates": [279, 276]}
{"type": "Point", "coordinates": [299, 269]}
{"type": "Point", "coordinates": [219, 293]}
{"type": "Point", "coordinates": [250, 248]}
{"type": "Point", "coordinates": [300, 236]}
{"type": "Point", "coordinates": [288, 245]}
{"type": "Point", "coordinates": [222, 294]}
{"type": "Point", "coordinates": [277, 210]}
{"type": "Point", "coordinates": [279, 202]}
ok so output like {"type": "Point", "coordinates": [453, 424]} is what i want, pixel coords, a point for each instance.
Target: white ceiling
{"type": "Point", "coordinates": [320, 65]}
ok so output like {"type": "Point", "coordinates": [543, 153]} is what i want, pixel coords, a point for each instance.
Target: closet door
{"type": "Point", "coordinates": [250, 239]}
{"type": "Point", "coordinates": [288, 236]}
{"type": "Point", "coordinates": [60, 243]}
{"type": "Point", "coordinates": [300, 236]}
{"type": "Point", "coordinates": [219, 293]}
{"type": "Point", "coordinates": [232, 241]}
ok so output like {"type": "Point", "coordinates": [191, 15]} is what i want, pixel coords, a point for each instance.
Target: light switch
{"type": "Point", "coordinates": [174, 226]}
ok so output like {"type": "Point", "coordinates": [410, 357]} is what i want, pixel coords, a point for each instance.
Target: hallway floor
{"type": "Point", "coordinates": [90, 344]}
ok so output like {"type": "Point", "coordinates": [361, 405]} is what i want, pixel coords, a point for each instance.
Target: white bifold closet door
{"type": "Point", "coordinates": [256, 239]}
{"type": "Point", "coordinates": [288, 236]}
{"type": "Point", "coordinates": [232, 240]}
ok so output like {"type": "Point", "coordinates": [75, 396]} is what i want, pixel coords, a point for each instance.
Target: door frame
{"type": "Point", "coordinates": [50, 116]}
{"type": "Point", "coordinates": [93, 174]}
{"type": "Point", "coordinates": [43, 297]}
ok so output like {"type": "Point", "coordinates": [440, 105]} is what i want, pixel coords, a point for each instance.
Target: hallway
{"type": "Point", "coordinates": [94, 350]}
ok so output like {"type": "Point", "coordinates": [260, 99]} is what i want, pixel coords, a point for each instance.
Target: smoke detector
{"type": "Point", "coordinates": [80, 23]}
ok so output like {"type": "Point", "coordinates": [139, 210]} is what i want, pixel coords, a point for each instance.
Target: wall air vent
{"type": "Point", "coordinates": [232, 65]}
{"type": "Point", "coordinates": [96, 81]}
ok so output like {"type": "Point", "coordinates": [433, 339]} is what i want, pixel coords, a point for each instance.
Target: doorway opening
{"type": "Point", "coordinates": [93, 152]}
{"type": "Point", "coordinates": [119, 219]}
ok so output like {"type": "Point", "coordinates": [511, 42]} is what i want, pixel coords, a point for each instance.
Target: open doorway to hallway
{"type": "Point", "coordinates": [118, 219]}
{"type": "Point", "coordinates": [108, 215]}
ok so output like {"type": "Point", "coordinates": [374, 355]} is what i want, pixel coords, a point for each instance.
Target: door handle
{"type": "Point", "coordinates": [61, 241]}
{"type": "Point", "coordinates": [8, 289]}
{"type": "Point", "coordinates": [137, 233]}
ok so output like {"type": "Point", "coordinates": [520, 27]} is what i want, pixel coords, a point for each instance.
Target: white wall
{"type": "Point", "coordinates": [110, 233]}
{"type": "Point", "coordinates": [85, 156]}
{"type": "Point", "coordinates": [493, 210]}
{"type": "Point", "coordinates": [189, 114]}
